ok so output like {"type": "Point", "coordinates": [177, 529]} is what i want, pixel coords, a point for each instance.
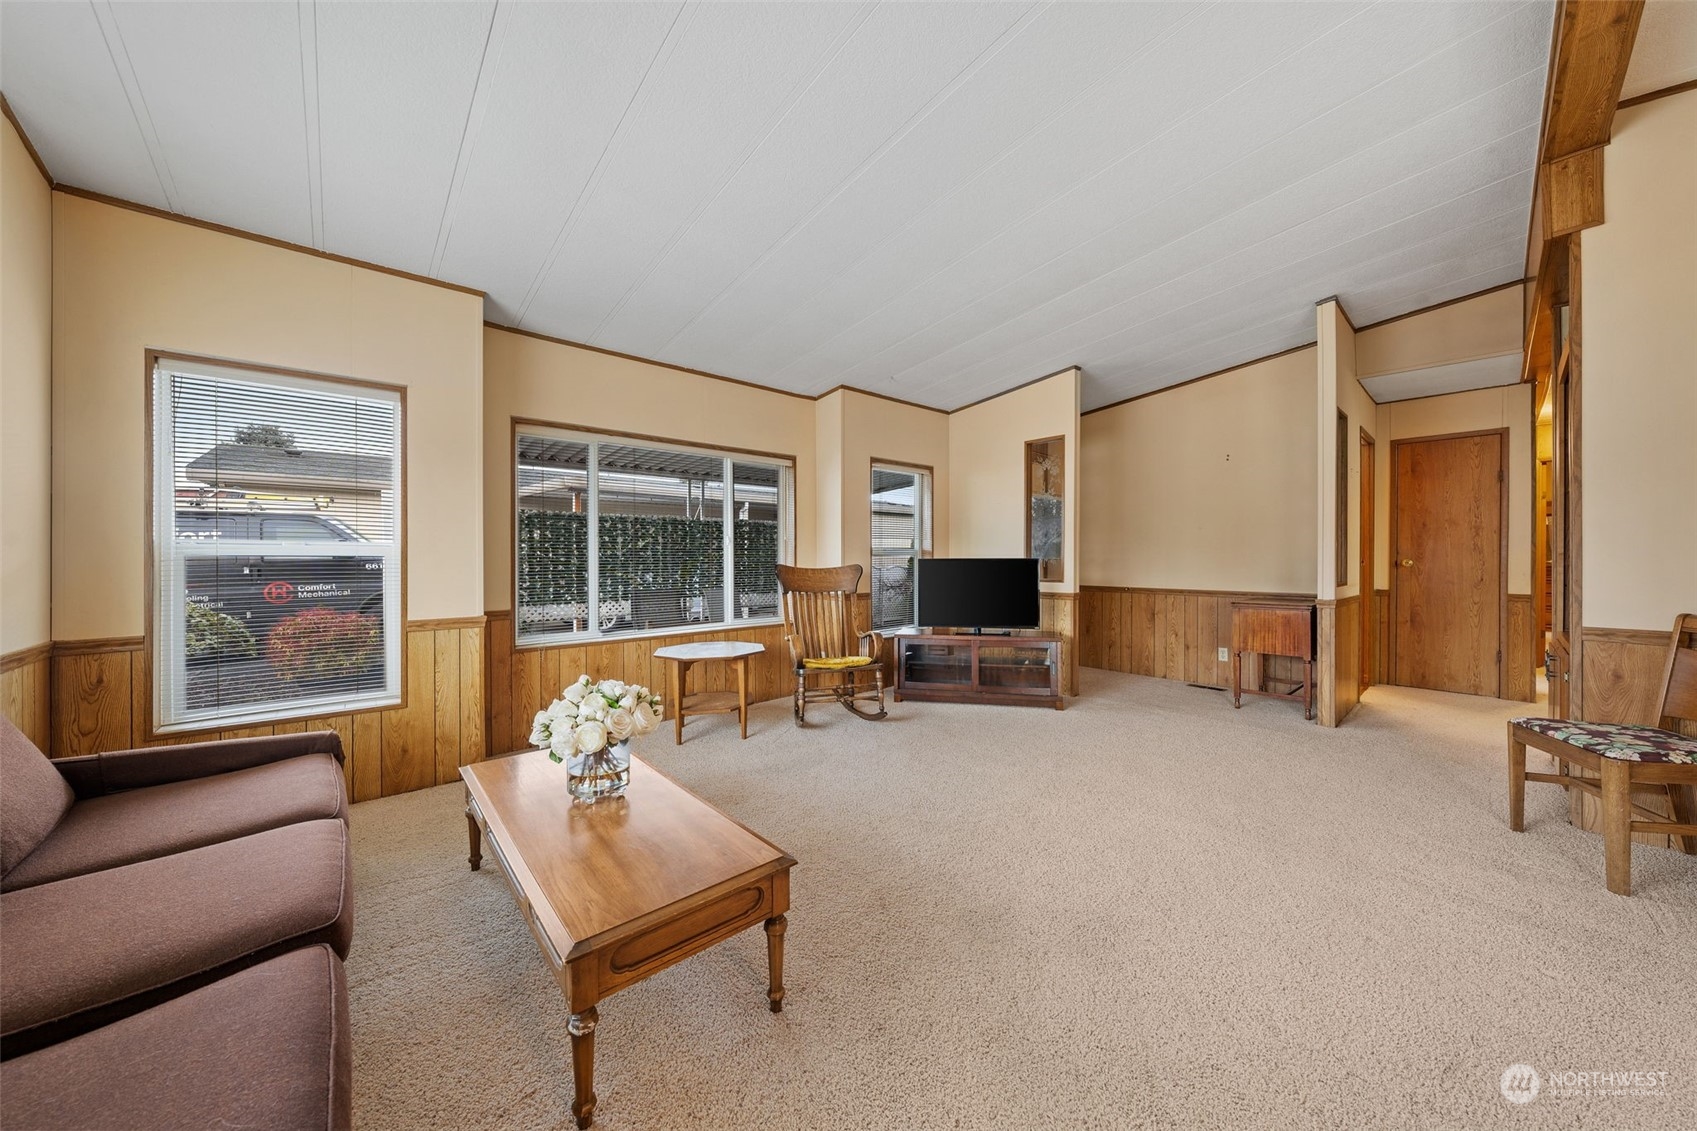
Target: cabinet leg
{"type": "Point", "coordinates": [1237, 680]}
{"type": "Point", "coordinates": [1308, 689]}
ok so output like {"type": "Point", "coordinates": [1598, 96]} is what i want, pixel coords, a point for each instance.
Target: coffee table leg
{"type": "Point", "coordinates": [775, 928]}
{"type": "Point", "coordinates": [475, 859]}
{"type": "Point", "coordinates": [582, 1029]}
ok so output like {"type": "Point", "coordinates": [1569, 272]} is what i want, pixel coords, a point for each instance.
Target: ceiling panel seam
{"type": "Point", "coordinates": [761, 136]}
{"type": "Point", "coordinates": [116, 50]}
{"type": "Point", "coordinates": [1074, 187]}
{"type": "Point", "coordinates": [488, 66]}
{"type": "Point", "coordinates": [985, 168]}
{"type": "Point", "coordinates": [1306, 176]}
{"type": "Point", "coordinates": [1009, 34]}
{"type": "Point", "coordinates": [675, 32]}
{"type": "Point", "coordinates": [306, 18]}
{"type": "Point", "coordinates": [893, 377]}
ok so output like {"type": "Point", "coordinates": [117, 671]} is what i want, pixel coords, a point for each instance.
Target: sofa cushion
{"type": "Point", "coordinates": [123, 828]}
{"type": "Point", "coordinates": [267, 1047]}
{"type": "Point", "coordinates": [33, 796]}
{"type": "Point", "coordinates": [78, 953]}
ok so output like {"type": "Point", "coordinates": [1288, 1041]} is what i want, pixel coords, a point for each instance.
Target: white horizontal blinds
{"type": "Point", "coordinates": [901, 504]}
{"type": "Point", "coordinates": [552, 488]}
{"type": "Point", "coordinates": [650, 537]}
{"type": "Point", "coordinates": [277, 539]}
{"type": "Point", "coordinates": [661, 533]}
{"type": "Point", "coordinates": [759, 525]}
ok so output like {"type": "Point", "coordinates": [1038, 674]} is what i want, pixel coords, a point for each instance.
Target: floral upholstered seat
{"type": "Point", "coordinates": [1620, 741]}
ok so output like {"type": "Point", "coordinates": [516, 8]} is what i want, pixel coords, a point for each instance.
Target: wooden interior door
{"type": "Point", "coordinates": [1448, 550]}
{"type": "Point", "coordinates": [1365, 574]}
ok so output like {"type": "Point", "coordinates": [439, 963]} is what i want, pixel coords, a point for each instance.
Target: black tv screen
{"type": "Point", "coordinates": [978, 593]}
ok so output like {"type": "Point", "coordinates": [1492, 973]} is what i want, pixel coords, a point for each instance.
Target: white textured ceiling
{"type": "Point", "coordinates": [932, 201]}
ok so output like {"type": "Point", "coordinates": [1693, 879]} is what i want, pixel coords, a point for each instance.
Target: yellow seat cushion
{"type": "Point", "coordinates": [837, 663]}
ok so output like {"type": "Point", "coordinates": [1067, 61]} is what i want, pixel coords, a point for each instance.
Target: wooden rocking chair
{"type": "Point", "coordinates": [1626, 758]}
{"type": "Point", "coordinates": [834, 662]}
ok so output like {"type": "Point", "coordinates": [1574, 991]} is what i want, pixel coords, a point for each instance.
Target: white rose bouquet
{"type": "Point", "coordinates": [589, 717]}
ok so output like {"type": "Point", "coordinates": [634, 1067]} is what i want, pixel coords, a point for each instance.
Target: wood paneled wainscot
{"type": "Point", "coordinates": [102, 700]}
{"type": "Point", "coordinates": [26, 692]}
{"type": "Point", "coordinates": [1171, 634]}
{"type": "Point", "coordinates": [524, 680]}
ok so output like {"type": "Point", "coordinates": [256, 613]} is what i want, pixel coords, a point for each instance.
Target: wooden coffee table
{"type": "Point", "coordinates": [622, 889]}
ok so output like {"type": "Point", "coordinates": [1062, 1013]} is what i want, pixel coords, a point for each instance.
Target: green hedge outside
{"type": "Point", "coordinates": [639, 552]}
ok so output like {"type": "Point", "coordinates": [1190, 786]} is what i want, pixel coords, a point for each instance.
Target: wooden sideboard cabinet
{"type": "Point", "coordinates": [1274, 628]}
{"type": "Point", "coordinates": [1010, 670]}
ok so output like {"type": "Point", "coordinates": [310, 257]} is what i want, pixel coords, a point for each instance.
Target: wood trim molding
{"type": "Point", "coordinates": [1341, 310]}
{"type": "Point", "coordinates": [1257, 594]}
{"type": "Point", "coordinates": [99, 646]}
{"type": "Point", "coordinates": [551, 340]}
{"type": "Point", "coordinates": [1015, 389]}
{"type": "Point", "coordinates": [1204, 377]}
{"type": "Point", "coordinates": [239, 233]}
{"type": "Point", "coordinates": [1640, 99]}
{"type": "Point", "coordinates": [893, 400]}
{"type": "Point", "coordinates": [1655, 638]}
{"type": "Point", "coordinates": [23, 136]}
{"type": "Point", "coordinates": [439, 623]}
{"type": "Point", "coordinates": [23, 657]}
{"type": "Point", "coordinates": [1440, 305]}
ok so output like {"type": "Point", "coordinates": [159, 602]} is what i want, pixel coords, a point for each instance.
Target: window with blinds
{"type": "Point", "coordinates": [276, 540]}
{"type": "Point", "coordinates": [617, 537]}
{"type": "Point", "coordinates": [901, 535]}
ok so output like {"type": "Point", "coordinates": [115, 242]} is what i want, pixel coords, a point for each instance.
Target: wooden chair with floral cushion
{"type": "Point", "coordinates": [834, 661]}
{"type": "Point", "coordinates": [1626, 758]}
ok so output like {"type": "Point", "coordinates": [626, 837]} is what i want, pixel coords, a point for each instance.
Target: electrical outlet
{"type": "Point", "coordinates": [1224, 655]}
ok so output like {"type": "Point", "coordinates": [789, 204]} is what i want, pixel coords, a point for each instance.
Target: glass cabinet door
{"type": "Point", "coordinates": [938, 664]}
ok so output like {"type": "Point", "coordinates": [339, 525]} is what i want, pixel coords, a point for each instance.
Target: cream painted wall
{"type": "Point", "coordinates": [1206, 486]}
{"type": "Point", "coordinates": [565, 385]}
{"type": "Point", "coordinates": [124, 281]}
{"type": "Point", "coordinates": [26, 374]}
{"type": "Point", "coordinates": [987, 501]}
{"type": "Point", "coordinates": [1638, 383]}
{"type": "Point", "coordinates": [1484, 326]}
{"type": "Point", "coordinates": [1474, 411]}
{"type": "Point", "coordinates": [877, 429]}
{"type": "Point", "coordinates": [1339, 391]}
{"type": "Point", "coordinates": [828, 497]}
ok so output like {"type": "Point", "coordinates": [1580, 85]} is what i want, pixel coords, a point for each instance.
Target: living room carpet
{"type": "Point", "coordinates": [1146, 910]}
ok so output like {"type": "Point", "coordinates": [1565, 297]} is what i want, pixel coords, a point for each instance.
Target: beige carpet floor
{"type": "Point", "coordinates": [1149, 910]}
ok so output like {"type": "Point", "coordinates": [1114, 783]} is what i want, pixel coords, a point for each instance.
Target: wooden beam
{"type": "Point", "coordinates": [1573, 192]}
{"type": "Point", "coordinates": [1593, 48]}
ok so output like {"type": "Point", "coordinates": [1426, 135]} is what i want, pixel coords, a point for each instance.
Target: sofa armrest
{"type": "Point", "coordinates": [93, 775]}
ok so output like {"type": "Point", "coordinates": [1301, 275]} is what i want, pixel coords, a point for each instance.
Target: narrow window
{"type": "Point", "coordinates": [901, 535]}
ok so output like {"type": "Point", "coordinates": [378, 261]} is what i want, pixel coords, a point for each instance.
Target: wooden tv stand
{"type": "Point", "coordinates": [1012, 670]}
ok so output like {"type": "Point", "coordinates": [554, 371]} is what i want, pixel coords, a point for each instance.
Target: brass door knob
{"type": "Point", "coordinates": [1407, 563]}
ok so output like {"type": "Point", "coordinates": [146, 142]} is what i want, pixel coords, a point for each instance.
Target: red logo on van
{"type": "Point", "coordinates": [279, 592]}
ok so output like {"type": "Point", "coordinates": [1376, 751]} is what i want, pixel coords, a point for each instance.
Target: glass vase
{"type": "Point", "coordinates": [605, 773]}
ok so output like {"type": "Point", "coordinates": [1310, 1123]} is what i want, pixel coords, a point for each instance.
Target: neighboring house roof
{"type": "Point", "coordinates": [238, 463]}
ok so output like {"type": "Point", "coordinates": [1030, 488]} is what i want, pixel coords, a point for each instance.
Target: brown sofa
{"type": "Point", "coordinates": [147, 894]}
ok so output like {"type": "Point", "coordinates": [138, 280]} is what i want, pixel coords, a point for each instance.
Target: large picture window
{"type": "Point", "coordinates": [277, 546]}
{"type": "Point", "coordinates": [901, 535]}
{"type": "Point", "coordinates": [617, 537]}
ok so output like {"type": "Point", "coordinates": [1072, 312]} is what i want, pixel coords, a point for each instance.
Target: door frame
{"type": "Point", "coordinates": [1368, 566]}
{"type": "Point", "coordinates": [1502, 435]}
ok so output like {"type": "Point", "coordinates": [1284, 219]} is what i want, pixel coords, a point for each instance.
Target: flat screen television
{"type": "Point", "coordinates": [978, 593]}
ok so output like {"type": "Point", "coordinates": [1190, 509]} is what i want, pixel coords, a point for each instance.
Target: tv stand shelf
{"type": "Point", "coordinates": [1013, 670]}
